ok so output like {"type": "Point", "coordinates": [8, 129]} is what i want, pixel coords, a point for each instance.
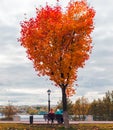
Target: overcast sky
{"type": "Point", "coordinates": [19, 82]}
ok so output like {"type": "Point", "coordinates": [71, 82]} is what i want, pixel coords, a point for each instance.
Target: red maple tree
{"type": "Point", "coordinates": [58, 42]}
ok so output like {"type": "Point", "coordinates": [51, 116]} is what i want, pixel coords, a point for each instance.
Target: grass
{"type": "Point", "coordinates": [12, 126]}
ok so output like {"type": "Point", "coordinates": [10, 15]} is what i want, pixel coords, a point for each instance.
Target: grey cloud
{"type": "Point", "coordinates": [9, 33]}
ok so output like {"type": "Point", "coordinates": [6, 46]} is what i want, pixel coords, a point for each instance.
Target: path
{"type": "Point", "coordinates": [71, 122]}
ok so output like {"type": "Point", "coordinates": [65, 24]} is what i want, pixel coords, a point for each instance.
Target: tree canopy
{"type": "Point", "coordinates": [58, 42]}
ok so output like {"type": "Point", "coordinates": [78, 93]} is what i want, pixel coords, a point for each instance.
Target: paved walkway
{"type": "Point", "coordinates": [71, 122]}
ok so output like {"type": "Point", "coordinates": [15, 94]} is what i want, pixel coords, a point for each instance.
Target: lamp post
{"type": "Point", "coordinates": [48, 91]}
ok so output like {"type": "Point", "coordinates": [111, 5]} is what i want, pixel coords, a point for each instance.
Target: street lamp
{"type": "Point", "coordinates": [48, 91]}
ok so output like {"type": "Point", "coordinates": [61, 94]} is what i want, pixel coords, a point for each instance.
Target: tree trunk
{"type": "Point", "coordinates": [64, 103]}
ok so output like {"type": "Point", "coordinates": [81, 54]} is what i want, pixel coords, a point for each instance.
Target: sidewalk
{"type": "Point", "coordinates": [71, 122]}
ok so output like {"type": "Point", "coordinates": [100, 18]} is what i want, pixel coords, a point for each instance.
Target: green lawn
{"type": "Point", "coordinates": [56, 127]}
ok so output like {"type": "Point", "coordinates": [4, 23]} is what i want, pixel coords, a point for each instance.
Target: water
{"type": "Point", "coordinates": [35, 117]}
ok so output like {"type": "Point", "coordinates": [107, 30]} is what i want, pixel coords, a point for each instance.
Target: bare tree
{"type": "Point", "coordinates": [9, 111]}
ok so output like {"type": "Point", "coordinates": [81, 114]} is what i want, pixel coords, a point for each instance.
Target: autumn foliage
{"type": "Point", "coordinates": [58, 42]}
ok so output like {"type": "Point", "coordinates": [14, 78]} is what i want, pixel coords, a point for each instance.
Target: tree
{"type": "Point", "coordinates": [81, 107]}
{"type": "Point", "coordinates": [84, 107]}
{"type": "Point", "coordinates": [58, 43]}
{"type": "Point", "coordinates": [9, 111]}
{"type": "Point", "coordinates": [76, 108]}
{"type": "Point", "coordinates": [32, 111]}
{"type": "Point", "coordinates": [108, 105]}
{"type": "Point", "coordinates": [102, 109]}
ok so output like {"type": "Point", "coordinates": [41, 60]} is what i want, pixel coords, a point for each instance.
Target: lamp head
{"type": "Point", "coordinates": [48, 91]}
